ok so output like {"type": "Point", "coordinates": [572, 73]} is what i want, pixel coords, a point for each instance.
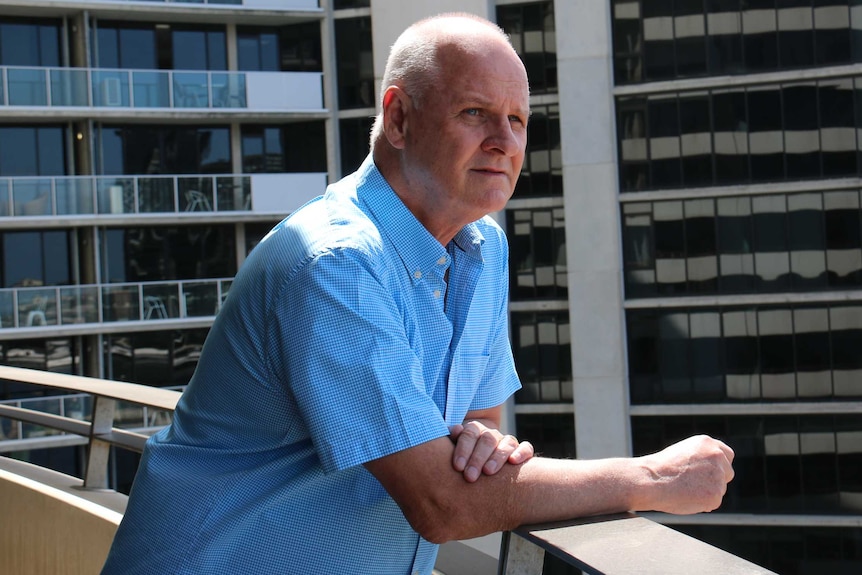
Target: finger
{"type": "Point", "coordinates": [484, 450]}
{"type": "Point", "coordinates": [500, 455]}
{"type": "Point", "coordinates": [464, 446]}
{"type": "Point", "coordinates": [522, 453]}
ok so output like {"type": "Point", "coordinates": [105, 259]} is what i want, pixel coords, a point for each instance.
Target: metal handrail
{"type": "Point", "coordinates": [617, 545]}
{"type": "Point", "coordinates": [607, 545]}
{"type": "Point", "coordinates": [100, 429]}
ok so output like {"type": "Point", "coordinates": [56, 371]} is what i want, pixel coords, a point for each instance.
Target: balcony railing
{"type": "Point", "coordinates": [147, 89]}
{"type": "Point", "coordinates": [117, 302]}
{"type": "Point", "coordinates": [96, 195]}
{"type": "Point", "coordinates": [610, 545]}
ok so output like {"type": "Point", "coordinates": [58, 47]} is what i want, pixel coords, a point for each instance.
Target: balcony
{"type": "Point", "coordinates": [115, 93]}
{"type": "Point", "coordinates": [119, 198]}
{"type": "Point", "coordinates": [81, 309]}
{"type": "Point", "coordinates": [61, 520]}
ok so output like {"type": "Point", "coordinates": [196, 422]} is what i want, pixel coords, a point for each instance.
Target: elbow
{"type": "Point", "coordinates": [433, 523]}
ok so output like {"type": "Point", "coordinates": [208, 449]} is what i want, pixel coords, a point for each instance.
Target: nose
{"type": "Point", "coordinates": [504, 138]}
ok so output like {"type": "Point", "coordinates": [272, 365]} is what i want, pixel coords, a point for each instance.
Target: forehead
{"type": "Point", "coordinates": [484, 72]}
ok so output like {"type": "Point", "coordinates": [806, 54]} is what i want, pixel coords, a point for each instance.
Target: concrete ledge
{"type": "Point", "coordinates": [51, 524]}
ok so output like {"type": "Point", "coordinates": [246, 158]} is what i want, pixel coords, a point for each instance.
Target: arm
{"type": "Point", "coordinates": [481, 448]}
{"type": "Point", "coordinates": [688, 477]}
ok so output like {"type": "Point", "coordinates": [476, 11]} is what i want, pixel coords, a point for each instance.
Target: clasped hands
{"type": "Point", "coordinates": [482, 449]}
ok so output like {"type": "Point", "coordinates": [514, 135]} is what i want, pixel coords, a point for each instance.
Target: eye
{"type": "Point", "coordinates": [471, 112]}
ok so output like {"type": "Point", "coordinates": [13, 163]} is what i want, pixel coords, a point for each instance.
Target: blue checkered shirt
{"type": "Point", "coordinates": [337, 345]}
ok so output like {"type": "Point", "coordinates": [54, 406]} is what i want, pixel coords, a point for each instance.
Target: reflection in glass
{"type": "Point", "coordinates": [542, 351]}
{"type": "Point", "coordinates": [110, 88]}
{"type": "Point", "coordinates": [32, 197]}
{"type": "Point", "coordinates": [27, 86]}
{"type": "Point", "coordinates": [68, 87]}
{"type": "Point", "coordinates": [74, 196]}
{"type": "Point", "coordinates": [79, 305]}
{"type": "Point", "coordinates": [151, 89]}
{"type": "Point", "coordinates": [191, 90]}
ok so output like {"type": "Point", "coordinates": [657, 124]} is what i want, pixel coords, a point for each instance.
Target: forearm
{"type": "Point", "coordinates": [688, 477]}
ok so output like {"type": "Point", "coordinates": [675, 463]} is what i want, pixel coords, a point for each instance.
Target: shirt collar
{"type": "Point", "coordinates": [418, 249]}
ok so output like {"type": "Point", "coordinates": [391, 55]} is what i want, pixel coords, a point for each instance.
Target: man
{"type": "Point", "coordinates": [343, 415]}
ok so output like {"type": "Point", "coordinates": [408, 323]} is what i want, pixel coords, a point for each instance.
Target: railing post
{"type": "Point", "coordinates": [96, 475]}
{"type": "Point", "coordinates": [519, 556]}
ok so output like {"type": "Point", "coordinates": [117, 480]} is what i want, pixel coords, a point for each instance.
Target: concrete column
{"type": "Point", "coordinates": [593, 243]}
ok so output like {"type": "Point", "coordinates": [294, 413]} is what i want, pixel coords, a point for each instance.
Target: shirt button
{"type": "Point", "coordinates": [436, 293]}
{"type": "Point", "coordinates": [417, 274]}
{"type": "Point", "coordinates": [442, 261]}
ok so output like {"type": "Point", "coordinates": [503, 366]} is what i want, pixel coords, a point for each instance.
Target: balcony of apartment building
{"type": "Point", "coordinates": [192, 118]}
{"type": "Point", "coordinates": [60, 520]}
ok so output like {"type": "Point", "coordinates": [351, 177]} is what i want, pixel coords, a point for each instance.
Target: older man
{"type": "Point", "coordinates": [343, 416]}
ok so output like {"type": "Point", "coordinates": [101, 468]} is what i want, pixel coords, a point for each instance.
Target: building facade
{"type": "Point", "coordinates": [686, 234]}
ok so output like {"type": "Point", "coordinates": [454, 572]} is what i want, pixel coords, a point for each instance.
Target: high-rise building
{"type": "Point", "coordinates": [686, 235]}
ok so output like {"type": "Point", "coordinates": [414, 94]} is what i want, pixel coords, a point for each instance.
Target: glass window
{"type": "Point", "coordinates": [793, 464]}
{"type": "Point", "coordinates": [542, 351]}
{"type": "Point", "coordinates": [168, 253]}
{"type": "Point", "coordinates": [355, 63]}
{"type": "Point", "coordinates": [139, 149]}
{"type": "Point", "coordinates": [532, 30]}
{"type": "Point", "coordinates": [32, 151]}
{"type": "Point", "coordinates": [551, 435]}
{"type": "Point", "coordinates": [34, 258]}
{"type": "Point", "coordinates": [538, 267]}
{"type": "Point", "coordinates": [293, 147]}
{"type": "Point", "coordinates": [146, 46]}
{"type": "Point", "coordinates": [542, 172]}
{"type": "Point", "coordinates": [158, 358]}
{"type": "Point", "coordinates": [355, 134]}
{"type": "Point", "coordinates": [29, 42]}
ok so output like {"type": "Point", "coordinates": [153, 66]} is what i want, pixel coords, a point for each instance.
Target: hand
{"type": "Point", "coordinates": [688, 477]}
{"type": "Point", "coordinates": [482, 449]}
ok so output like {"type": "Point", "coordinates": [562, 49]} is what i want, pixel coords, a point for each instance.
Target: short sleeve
{"type": "Point", "coordinates": [337, 341]}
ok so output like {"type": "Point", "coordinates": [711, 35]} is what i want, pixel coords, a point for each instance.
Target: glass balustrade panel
{"type": "Point", "coordinates": [234, 193]}
{"type": "Point", "coordinates": [7, 308]}
{"type": "Point", "coordinates": [37, 307]}
{"type": "Point", "coordinates": [77, 407]}
{"type": "Point", "coordinates": [201, 299]}
{"type": "Point", "coordinates": [111, 88]}
{"type": "Point", "coordinates": [191, 90]}
{"type": "Point", "coordinates": [27, 86]}
{"type": "Point", "coordinates": [151, 89]}
{"type": "Point", "coordinates": [74, 196]}
{"type": "Point", "coordinates": [228, 90]}
{"type": "Point", "coordinates": [50, 405]}
{"type": "Point", "coordinates": [196, 193]}
{"type": "Point", "coordinates": [116, 195]}
{"type": "Point", "coordinates": [156, 194]}
{"type": "Point", "coordinates": [5, 197]}
{"type": "Point", "coordinates": [121, 303]}
{"type": "Point", "coordinates": [129, 415]}
{"type": "Point", "coordinates": [79, 304]}
{"type": "Point", "coordinates": [161, 301]}
{"type": "Point", "coordinates": [32, 196]}
{"type": "Point", "coordinates": [68, 87]}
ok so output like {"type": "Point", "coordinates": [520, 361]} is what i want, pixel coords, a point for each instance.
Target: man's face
{"type": "Point", "coordinates": [465, 145]}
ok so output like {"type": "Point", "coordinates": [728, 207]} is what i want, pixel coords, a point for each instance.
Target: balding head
{"type": "Point", "coordinates": [414, 62]}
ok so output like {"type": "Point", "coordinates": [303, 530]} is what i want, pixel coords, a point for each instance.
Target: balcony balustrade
{"type": "Point", "coordinates": [78, 305]}
{"type": "Point", "coordinates": [160, 89]}
{"type": "Point", "coordinates": [102, 411]}
{"type": "Point", "coordinates": [107, 196]}
{"type": "Point", "coordinates": [113, 195]}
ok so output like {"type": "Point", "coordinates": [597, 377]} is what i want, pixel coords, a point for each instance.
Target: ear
{"type": "Point", "coordinates": [396, 106]}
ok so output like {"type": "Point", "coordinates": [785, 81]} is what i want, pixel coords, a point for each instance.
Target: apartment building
{"type": "Point", "coordinates": [686, 235]}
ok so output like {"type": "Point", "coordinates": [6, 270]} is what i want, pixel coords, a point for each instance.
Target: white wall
{"type": "Point", "coordinates": [283, 193]}
{"type": "Point", "coordinates": [284, 90]}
